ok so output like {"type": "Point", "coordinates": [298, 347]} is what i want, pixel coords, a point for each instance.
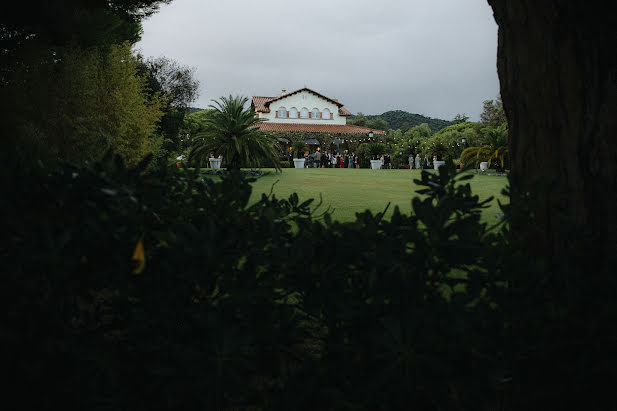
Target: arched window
{"type": "Point", "coordinates": [282, 112]}
{"type": "Point", "coordinates": [304, 112]}
{"type": "Point", "coordinates": [293, 112]}
{"type": "Point", "coordinates": [326, 114]}
{"type": "Point", "coordinates": [315, 113]}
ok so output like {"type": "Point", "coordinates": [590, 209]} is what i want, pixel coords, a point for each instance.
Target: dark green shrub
{"type": "Point", "coordinates": [364, 155]}
{"type": "Point", "coordinates": [375, 150]}
{"type": "Point", "coordinates": [262, 306]}
{"type": "Point", "coordinates": [298, 148]}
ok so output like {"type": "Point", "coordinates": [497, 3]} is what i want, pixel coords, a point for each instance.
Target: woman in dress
{"type": "Point", "coordinates": [410, 161]}
{"type": "Point", "coordinates": [417, 160]}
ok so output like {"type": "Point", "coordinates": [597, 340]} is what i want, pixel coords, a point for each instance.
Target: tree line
{"type": "Point", "coordinates": [396, 120]}
{"type": "Point", "coordinates": [74, 87]}
{"type": "Point", "coordinates": [460, 141]}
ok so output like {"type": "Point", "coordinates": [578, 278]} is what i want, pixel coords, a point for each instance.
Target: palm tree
{"type": "Point", "coordinates": [232, 132]}
{"type": "Point", "coordinates": [496, 147]}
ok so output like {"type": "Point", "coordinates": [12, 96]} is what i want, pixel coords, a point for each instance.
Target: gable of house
{"type": "Point", "coordinates": [302, 104]}
{"type": "Point", "coordinates": [306, 111]}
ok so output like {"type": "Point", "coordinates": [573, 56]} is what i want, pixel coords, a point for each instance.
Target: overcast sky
{"type": "Point", "coordinates": [431, 57]}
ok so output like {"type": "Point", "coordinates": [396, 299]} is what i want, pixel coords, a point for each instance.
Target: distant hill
{"type": "Point", "coordinates": [190, 110]}
{"type": "Point", "coordinates": [399, 119]}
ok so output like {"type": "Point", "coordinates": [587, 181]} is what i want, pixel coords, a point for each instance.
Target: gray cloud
{"type": "Point", "coordinates": [436, 58]}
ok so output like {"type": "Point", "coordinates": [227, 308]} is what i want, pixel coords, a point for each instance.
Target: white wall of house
{"type": "Point", "coordinates": [304, 100]}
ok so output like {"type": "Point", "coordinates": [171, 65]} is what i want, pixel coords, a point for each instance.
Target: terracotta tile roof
{"type": "Point", "coordinates": [262, 104]}
{"type": "Point", "coordinates": [257, 103]}
{"type": "Point", "coordinates": [342, 111]}
{"type": "Point", "coordinates": [318, 128]}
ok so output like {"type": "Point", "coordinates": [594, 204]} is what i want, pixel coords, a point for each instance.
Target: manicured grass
{"type": "Point", "coordinates": [349, 191]}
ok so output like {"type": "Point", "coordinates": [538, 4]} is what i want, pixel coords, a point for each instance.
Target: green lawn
{"type": "Point", "coordinates": [349, 191]}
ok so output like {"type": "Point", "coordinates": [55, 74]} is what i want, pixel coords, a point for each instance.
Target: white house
{"type": "Point", "coordinates": [307, 111]}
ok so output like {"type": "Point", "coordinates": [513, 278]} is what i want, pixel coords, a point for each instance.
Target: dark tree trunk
{"type": "Point", "coordinates": [234, 164]}
{"type": "Point", "coordinates": [557, 65]}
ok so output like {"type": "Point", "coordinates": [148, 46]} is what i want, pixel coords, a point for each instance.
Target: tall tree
{"type": "Point", "coordinates": [36, 32]}
{"type": "Point", "coordinates": [557, 66]}
{"type": "Point", "coordinates": [89, 22]}
{"type": "Point", "coordinates": [460, 118]}
{"type": "Point", "coordinates": [89, 102]}
{"type": "Point", "coordinates": [178, 87]}
{"type": "Point", "coordinates": [558, 73]}
{"type": "Point", "coordinates": [168, 77]}
{"type": "Point", "coordinates": [492, 113]}
{"type": "Point", "coordinates": [38, 41]}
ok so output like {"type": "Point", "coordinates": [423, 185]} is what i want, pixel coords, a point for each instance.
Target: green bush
{"type": "Point", "coordinates": [364, 155]}
{"type": "Point", "coordinates": [376, 149]}
{"type": "Point", "coordinates": [293, 317]}
{"type": "Point", "coordinates": [276, 306]}
{"type": "Point", "coordinates": [298, 148]}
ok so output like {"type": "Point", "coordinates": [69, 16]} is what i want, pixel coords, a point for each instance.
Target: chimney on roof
{"type": "Point", "coordinates": [283, 91]}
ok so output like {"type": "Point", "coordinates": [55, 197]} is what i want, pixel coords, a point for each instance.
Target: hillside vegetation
{"type": "Point", "coordinates": [399, 120]}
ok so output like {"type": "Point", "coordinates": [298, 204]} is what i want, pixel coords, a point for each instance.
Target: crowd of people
{"type": "Point", "coordinates": [329, 160]}
{"type": "Point", "coordinates": [420, 163]}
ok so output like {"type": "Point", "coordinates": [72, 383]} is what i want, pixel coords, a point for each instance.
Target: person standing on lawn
{"type": "Point", "coordinates": [317, 159]}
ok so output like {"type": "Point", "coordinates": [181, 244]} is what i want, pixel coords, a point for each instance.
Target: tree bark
{"type": "Point", "coordinates": [557, 67]}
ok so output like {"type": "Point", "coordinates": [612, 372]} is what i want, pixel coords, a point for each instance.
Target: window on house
{"type": "Point", "coordinates": [282, 112]}
{"type": "Point", "coordinates": [315, 113]}
{"type": "Point", "coordinates": [304, 113]}
{"type": "Point", "coordinates": [293, 112]}
{"type": "Point", "coordinates": [326, 114]}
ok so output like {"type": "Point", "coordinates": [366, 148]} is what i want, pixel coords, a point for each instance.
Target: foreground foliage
{"type": "Point", "coordinates": [70, 88]}
{"type": "Point", "coordinates": [99, 102]}
{"type": "Point", "coordinates": [267, 306]}
{"type": "Point", "coordinates": [262, 305]}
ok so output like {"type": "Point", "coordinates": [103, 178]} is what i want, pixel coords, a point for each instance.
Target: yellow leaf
{"type": "Point", "coordinates": [139, 255]}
